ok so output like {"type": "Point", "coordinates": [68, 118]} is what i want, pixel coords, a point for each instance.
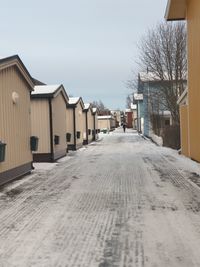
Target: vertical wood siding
{"type": "Point", "coordinates": [90, 124]}
{"type": "Point", "coordinates": [15, 123]}
{"type": "Point", "coordinates": [79, 123]}
{"type": "Point", "coordinates": [104, 124]}
{"type": "Point", "coordinates": [193, 18]}
{"type": "Point", "coordinates": [70, 124]}
{"type": "Point", "coordinates": [59, 122]}
{"type": "Point", "coordinates": [84, 126]}
{"type": "Point", "coordinates": [40, 125]}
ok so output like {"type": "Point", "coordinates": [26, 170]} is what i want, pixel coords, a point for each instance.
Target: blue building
{"type": "Point", "coordinates": [152, 112]}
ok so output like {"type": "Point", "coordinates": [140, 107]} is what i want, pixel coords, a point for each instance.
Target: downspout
{"type": "Point", "coordinates": [51, 129]}
{"type": "Point", "coordinates": [74, 120]}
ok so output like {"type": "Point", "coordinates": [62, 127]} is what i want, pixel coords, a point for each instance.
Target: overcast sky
{"type": "Point", "coordinates": [90, 46]}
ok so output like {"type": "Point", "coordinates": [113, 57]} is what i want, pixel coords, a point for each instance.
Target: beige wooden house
{"type": "Point", "coordinates": [106, 123]}
{"type": "Point", "coordinates": [15, 121]}
{"type": "Point", "coordinates": [75, 123]}
{"type": "Point", "coordinates": [88, 122]}
{"type": "Point", "coordinates": [48, 121]}
{"type": "Point", "coordinates": [95, 123]}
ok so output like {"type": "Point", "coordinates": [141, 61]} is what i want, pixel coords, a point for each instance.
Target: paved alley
{"type": "Point", "coordinates": [122, 201]}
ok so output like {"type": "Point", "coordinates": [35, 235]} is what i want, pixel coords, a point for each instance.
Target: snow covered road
{"type": "Point", "coordinates": [122, 201]}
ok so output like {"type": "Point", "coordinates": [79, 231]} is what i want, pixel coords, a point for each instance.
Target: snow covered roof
{"type": "Point", "coordinates": [86, 105]}
{"type": "Point", "coordinates": [104, 117]}
{"type": "Point", "coordinates": [133, 106]}
{"type": "Point", "coordinates": [45, 89]}
{"type": "Point", "coordinates": [73, 100]}
{"type": "Point", "coordinates": [152, 76]}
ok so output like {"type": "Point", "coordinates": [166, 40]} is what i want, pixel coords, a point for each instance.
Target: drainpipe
{"type": "Point", "coordinates": [51, 129]}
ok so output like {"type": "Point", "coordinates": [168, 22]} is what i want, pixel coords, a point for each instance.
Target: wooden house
{"type": "Point", "coordinates": [88, 122]}
{"type": "Point", "coordinates": [48, 121]}
{"type": "Point", "coordinates": [16, 85]}
{"type": "Point", "coordinates": [75, 123]}
{"type": "Point", "coordinates": [190, 110]}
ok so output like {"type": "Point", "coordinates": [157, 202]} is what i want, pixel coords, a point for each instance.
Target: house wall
{"type": "Point", "coordinates": [84, 126]}
{"type": "Point", "coordinates": [129, 119]}
{"type": "Point", "coordinates": [104, 124]}
{"type": "Point", "coordinates": [15, 123]}
{"type": "Point", "coordinates": [193, 19]}
{"type": "Point", "coordinates": [40, 124]}
{"type": "Point", "coordinates": [90, 124]}
{"type": "Point", "coordinates": [59, 125]}
{"type": "Point", "coordinates": [184, 129]}
{"type": "Point", "coordinates": [70, 124]}
{"type": "Point", "coordinates": [79, 124]}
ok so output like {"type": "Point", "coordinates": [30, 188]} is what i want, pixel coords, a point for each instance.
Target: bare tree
{"type": "Point", "coordinates": [102, 109]}
{"type": "Point", "coordinates": [163, 52]}
{"type": "Point", "coordinates": [129, 100]}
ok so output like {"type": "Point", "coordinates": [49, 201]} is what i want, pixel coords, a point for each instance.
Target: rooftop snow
{"type": "Point", "coordinates": [133, 106]}
{"type": "Point", "coordinates": [73, 100]}
{"type": "Point", "coordinates": [87, 105]}
{"type": "Point", "coordinates": [45, 89]}
{"type": "Point", "coordinates": [104, 117]}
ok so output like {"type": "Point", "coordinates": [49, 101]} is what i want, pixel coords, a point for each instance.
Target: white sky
{"type": "Point", "coordinates": [90, 46]}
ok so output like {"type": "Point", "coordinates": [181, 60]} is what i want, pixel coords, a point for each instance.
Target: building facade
{"type": "Point", "coordinates": [16, 85]}
{"type": "Point", "coordinates": [48, 122]}
{"type": "Point", "coordinates": [190, 120]}
{"type": "Point", "coordinates": [75, 123]}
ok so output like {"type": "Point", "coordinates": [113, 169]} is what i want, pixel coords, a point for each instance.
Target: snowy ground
{"type": "Point", "coordinates": [122, 201]}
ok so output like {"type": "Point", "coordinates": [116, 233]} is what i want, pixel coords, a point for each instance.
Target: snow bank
{"type": "Point", "coordinates": [157, 139]}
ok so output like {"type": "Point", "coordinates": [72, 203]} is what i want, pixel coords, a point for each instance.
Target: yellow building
{"type": "Point", "coordinates": [48, 121]}
{"type": "Point", "coordinates": [190, 119]}
{"type": "Point", "coordinates": [75, 123]}
{"type": "Point", "coordinates": [16, 85]}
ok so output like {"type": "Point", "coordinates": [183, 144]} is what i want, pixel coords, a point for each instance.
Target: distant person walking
{"type": "Point", "coordinates": [124, 127]}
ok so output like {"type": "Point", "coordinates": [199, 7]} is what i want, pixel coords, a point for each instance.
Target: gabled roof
{"type": "Point", "coordinates": [17, 62]}
{"type": "Point", "coordinates": [49, 91]}
{"type": "Point", "coordinates": [87, 107]}
{"type": "Point", "coordinates": [95, 110]}
{"type": "Point", "coordinates": [73, 102]}
{"type": "Point", "coordinates": [176, 10]}
{"type": "Point", "coordinates": [37, 82]}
